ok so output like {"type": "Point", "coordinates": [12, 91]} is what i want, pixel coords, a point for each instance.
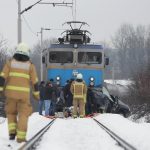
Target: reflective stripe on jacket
{"type": "Point", "coordinates": [18, 76]}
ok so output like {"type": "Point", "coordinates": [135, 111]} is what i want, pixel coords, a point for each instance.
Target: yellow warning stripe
{"type": "Point", "coordinates": [15, 88]}
{"type": "Point", "coordinates": [1, 88]}
{"type": "Point", "coordinates": [2, 74]}
{"type": "Point", "coordinates": [36, 93]}
{"type": "Point", "coordinates": [16, 74]}
{"type": "Point", "coordinates": [21, 135]}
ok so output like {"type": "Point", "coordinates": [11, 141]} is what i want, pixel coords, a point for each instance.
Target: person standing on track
{"type": "Point", "coordinates": [15, 81]}
{"type": "Point", "coordinates": [79, 91]}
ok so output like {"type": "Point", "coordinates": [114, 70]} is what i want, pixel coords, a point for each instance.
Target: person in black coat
{"type": "Point", "coordinates": [54, 96]}
{"type": "Point", "coordinates": [48, 97]}
{"type": "Point", "coordinates": [90, 106]}
{"type": "Point", "coordinates": [67, 94]}
{"type": "Point", "coordinates": [60, 101]}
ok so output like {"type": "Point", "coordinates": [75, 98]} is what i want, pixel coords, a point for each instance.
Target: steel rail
{"type": "Point", "coordinates": [28, 145]}
{"type": "Point", "coordinates": [118, 139]}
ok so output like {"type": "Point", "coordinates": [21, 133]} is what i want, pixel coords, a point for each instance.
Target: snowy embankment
{"type": "Point", "coordinates": [136, 134]}
{"type": "Point", "coordinates": [121, 88]}
{"type": "Point", "coordinates": [118, 87]}
{"type": "Point", "coordinates": [120, 82]}
{"type": "Point", "coordinates": [81, 134]}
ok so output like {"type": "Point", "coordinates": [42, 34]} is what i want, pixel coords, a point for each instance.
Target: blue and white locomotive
{"type": "Point", "coordinates": [72, 55]}
{"type": "Point", "coordinates": [75, 54]}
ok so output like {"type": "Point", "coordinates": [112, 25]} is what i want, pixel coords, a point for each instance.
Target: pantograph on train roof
{"type": "Point", "coordinates": [75, 35]}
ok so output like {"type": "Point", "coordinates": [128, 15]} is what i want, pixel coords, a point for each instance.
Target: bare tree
{"type": "Point", "coordinates": [133, 45]}
{"type": "Point", "coordinates": [132, 51]}
{"type": "Point", "coordinates": [147, 45]}
{"type": "Point", "coordinates": [121, 42]}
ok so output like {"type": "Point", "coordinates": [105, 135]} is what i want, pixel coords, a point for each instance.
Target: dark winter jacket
{"type": "Point", "coordinates": [55, 93]}
{"type": "Point", "coordinates": [67, 89]}
{"type": "Point", "coordinates": [68, 95]}
{"type": "Point", "coordinates": [49, 92]}
{"type": "Point", "coordinates": [42, 92]}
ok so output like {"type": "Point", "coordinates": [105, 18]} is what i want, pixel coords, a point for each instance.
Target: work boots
{"type": "Point", "coordinates": [12, 136]}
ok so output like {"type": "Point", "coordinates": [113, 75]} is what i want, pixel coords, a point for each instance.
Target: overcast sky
{"type": "Point", "coordinates": [103, 16]}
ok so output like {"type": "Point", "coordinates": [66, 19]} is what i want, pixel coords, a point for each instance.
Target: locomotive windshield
{"type": "Point", "coordinates": [90, 57]}
{"type": "Point", "coordinates": [61, 57]}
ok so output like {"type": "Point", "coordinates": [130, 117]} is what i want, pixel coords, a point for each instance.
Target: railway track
{"type": "Point", "coordinates": [117, 138]}
{"type": "Point", "coordinates": [32, 143]}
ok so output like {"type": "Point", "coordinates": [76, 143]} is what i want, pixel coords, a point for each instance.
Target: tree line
{"type": "Point", "coordinates": [130, 59]}
{"type": "Point", "coordinates": [131, 51]}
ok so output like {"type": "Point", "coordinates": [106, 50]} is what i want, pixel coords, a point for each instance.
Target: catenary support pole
{"type": "Point", "coordinates": [19, 23]}
{"type": "Point", "coordinates": [41, 54]}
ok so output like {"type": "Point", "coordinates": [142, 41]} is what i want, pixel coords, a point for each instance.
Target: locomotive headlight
{"type": "Point", "coordinates": [91, 83]}
{"type": "Point", "coordinates": [58, 78]}
{"type": "Point", "coordinates": [91, 79]}
{"type": "Point", "coordinates": [75, 45]}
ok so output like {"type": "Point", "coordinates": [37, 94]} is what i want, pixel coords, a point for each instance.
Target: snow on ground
{"type": "Point", "coordinates": [83, 134]}
{"type": "Point", "coordinates": [136, 134]}
{"type": "Point", "coordinates": [36, 122]}
{"type": "Point", "coordinates": [77, 134]}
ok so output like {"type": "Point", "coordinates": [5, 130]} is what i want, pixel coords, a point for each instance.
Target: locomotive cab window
{"type": "Point", "coordinates": [60, 57]}
{"type": "Point", "coordinates": [90, 57]}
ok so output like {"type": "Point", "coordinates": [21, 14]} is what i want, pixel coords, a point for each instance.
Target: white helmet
{"type": "Point", "coordinates": [22, 49]}
{"type": "Point", "coordinates": [79, 76]}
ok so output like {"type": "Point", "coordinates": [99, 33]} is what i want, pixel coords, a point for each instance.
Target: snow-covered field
{"type": "Point", "coordinates": [83, 134]}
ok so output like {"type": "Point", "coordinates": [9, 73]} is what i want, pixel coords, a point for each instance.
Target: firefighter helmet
{"type": "Point", "coordinates": [79, 76]}
{"type": "Point", "coordinates": [23, 49]}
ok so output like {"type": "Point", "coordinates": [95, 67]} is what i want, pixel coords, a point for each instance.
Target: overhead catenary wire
{"type": "Point", "coordinates": [20, 13]}
{"type": "Point", "coordinates": [27, 24]}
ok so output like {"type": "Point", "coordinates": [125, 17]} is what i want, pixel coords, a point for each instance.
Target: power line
{"type": "Point", "coordinates": [28, 26]}
{"type": "Point", "coordinates": [26, 9]}
{"type": "Point", "coordinates": [20, 13]}
{"type": "Point", "coordinates": [66, 4]}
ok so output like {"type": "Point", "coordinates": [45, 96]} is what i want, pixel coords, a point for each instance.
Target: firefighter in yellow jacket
{"type": "Point", "coordinates": [15, 80]}
{"type": "Point", "coordinates": [79, 90]}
